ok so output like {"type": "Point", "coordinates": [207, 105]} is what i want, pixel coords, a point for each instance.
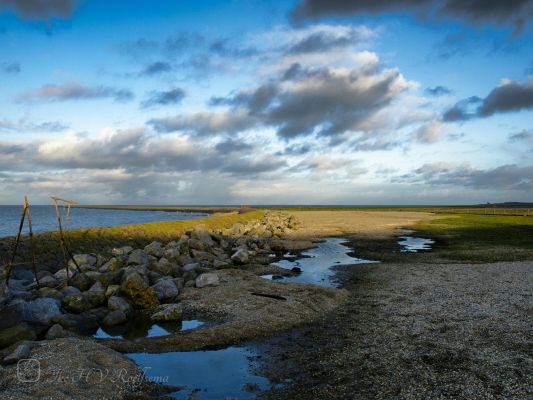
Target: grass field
{"type": "Point", "coordinates": [481, 238]}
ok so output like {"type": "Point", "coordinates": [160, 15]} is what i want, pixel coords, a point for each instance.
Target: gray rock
{"type": "Point", "coordinates": [138, 257]}
{"type": "Point", "coordinates": [163, 267]}
{"type": "Point", "coordinates": [41, 311]}
{"type": "Point", "coordinates": [135, 289]}
{"type": "Point", "coordinates": [88, 259]}
{"type": "Point", "coordinates": [180, 283]}
{"type": "Point", "coordinates": [207, 279]}
{"type": "Point", "coordinates": [154, 249]}
{"type": "Point", "coordinates": [120, 251]}
{"type": "Point", "coordinates": [70, 291]}
{"type": "Point", "coordinates": [172, 253]}
{"type": "Point", "coordinates": [153, 277]}
{"type": "Point", "coordinates": [189, 276]}
{"type": "Point", "coordinates": [191, 267]}
{"type": "Point", "coordinates": [165, 289]}
{"type": "Point", "coordinates": [14, 333]}
{"type": "Point", "coordinates": [83, 302]}
{"type": "Point", "coordinates": [196, 244]}
{"type": "Point", "coordinates": [201, 233]}
{"type": "Point", "coordinates": [21, 352]}
{"type": "Point", "coordinates": [111, 265]}
{"type": "Point", "coordinates": [112, 290]}
{"type": "Point", "coordinates": [56, 331]}
{"type": "Point", "coordinates": [118, 303]}
{"type": "Point", "coordinates": [219, 264]}
{"type": "Point", "coordinates": [81, 281]}
{"type": "Point", "coordinates": [61, 275]}
{"type": "Point", "coordinates": [50, 292]}
{"type": "Point", "coordinates": [241, 256]}
{"type": "Point", "coordinates": [116, 317]}
{"type": "Point", "coordinates": [48, 281]}
{"type": "Point", "coordinates": [97, 287]}
{"type": "Point", "coordinates": [167, 312]}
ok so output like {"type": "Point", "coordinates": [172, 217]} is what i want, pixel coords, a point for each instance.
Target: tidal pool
{"type": "Point", "coordinates": [410, 244]}
{"type": "Point", "coordinates": [316, 263]}
{"type": "Point", "coordinates": [144, 327]}
{"type": "Point", "coordinates": [214, 374]}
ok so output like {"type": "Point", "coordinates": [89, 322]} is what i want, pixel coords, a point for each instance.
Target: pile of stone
{"type": "Point", "coordinates": [112, 287]}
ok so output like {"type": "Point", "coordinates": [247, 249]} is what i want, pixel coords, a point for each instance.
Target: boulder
{"type": "Point", "coordinates": [76, 303]}
{"type": "Point", "coordinates": [48, 281]}
{"type": "Point", "coordinates": [116, 317]}
{"type": "Point", "coordinates": [70, 291]}
{"type": "Point", "coordinates": [49, 292]}
{"type": "Point", "coordinates": [56, 331]}
{"type": "Point", "coordinates": [21, 352]}
{"type": "Point", "coordinates": [97, 287]}
{"type": "Point", "coordinates": [153, 277]}
{"type": "Point", "coordinates": [201, 233]}
{"type": "Point", "coordinates": [41, 311]}
{"type": "Point", "coordinates": [167, 312]}
{"type": "Point", "coordinates": [207, 279]}
{"type": "Point", "coordinates": [138, 257]}
{"type": "Point", "coordinates": [81, 281]}
{"type": "Point", "coordinates": [154, 249]}
{"type": "Point", "coordinates": [118, 303]}
{"type": "Point", "coordinates": [135, 289]}
{"type": "Point", "coordinates": [112, 265]}
{"type": "Point", "coordinates": [120, 251]}
{"type": "Point", "coordinates": [165, 290]}
{"type": "Point", "coordinates": [112, 290]}
{"type": "Point", "coordinates": [191, 267]}
{"type": "Point", "coordinates": [87, 259]}
{"type": "Point", "coordinates": [241, 256]}
{"type": "Point", "coordinates": [14, 333]}
{"type": "Point", "coordinates": [83, 302]}
{"type": "Point", "coordinates": [196, 244]}
{"type": "Point", "coordinates": [219, 264]}
{"type": "Point", "coordinates": [163, 267]}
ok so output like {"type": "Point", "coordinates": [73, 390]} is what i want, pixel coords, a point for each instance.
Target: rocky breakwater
{"type": "Point", "coordinates": [213, 274]}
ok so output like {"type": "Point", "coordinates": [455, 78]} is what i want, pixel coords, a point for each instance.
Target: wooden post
{"type": "Point", "coordinates": [64, 248]}
{"type": "Point", "coordinates": [32, 242]}
{"type": "Point", "coordinates": [16, 245]}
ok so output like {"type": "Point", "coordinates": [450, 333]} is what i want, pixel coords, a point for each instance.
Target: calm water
{"type": "Point", "coordinates": [410, 244]}
{"type": "Point", "coordinates": [136, 330]}
{"type": "Point", "coordinates": [208, 375]}
{"type": "Point", "coordinates": [316, 263]}
{"type": "Point", "coordinates": [44, 219]}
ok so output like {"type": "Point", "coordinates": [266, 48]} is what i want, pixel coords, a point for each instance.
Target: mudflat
{"type": "Point", "coordinates": [415, 330]}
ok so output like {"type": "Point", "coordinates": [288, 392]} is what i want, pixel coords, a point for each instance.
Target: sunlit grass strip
{"type": "Point", "coordinates": [481, 237]}
{"type": "Point", "coordinates": [97, 240]}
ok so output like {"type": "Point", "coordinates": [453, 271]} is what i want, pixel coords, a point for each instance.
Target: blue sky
{"type": "Point", "coordinates": [265, 102]}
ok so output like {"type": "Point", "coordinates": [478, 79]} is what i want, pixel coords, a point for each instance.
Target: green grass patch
{"type": "Point", "coordinates": [97, 240]}
{"type": "Point", "coordinates": [481, 238]}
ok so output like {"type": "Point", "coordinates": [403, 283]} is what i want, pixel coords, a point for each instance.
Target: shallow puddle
{"type": "Point", "coordinates": [316, 263]}
{"type": "Point", "coordinates": [411, 244]}
{"type": "Point", "coordinates": [142, 327]}
{"type": "Point", "coordinates": [214, 374]}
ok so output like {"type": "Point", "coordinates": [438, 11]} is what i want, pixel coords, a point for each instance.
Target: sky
{"type": "Point", "coordinates": [326, 102]}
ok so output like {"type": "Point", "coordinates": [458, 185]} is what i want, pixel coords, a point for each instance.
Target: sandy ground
{"type": "Point", "coordinates": [316, 224]}
{"type": "Point", "coordinates": [416, 331]}
{"type": "Point", "coordinates": [237, 315]}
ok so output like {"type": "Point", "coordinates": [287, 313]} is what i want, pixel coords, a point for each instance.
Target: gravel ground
{"type": "Point", "coordinates": [415, 331]}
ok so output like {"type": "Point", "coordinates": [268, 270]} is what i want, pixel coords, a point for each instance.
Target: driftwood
{"type": "Point", "coordinates": [270, 296]}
